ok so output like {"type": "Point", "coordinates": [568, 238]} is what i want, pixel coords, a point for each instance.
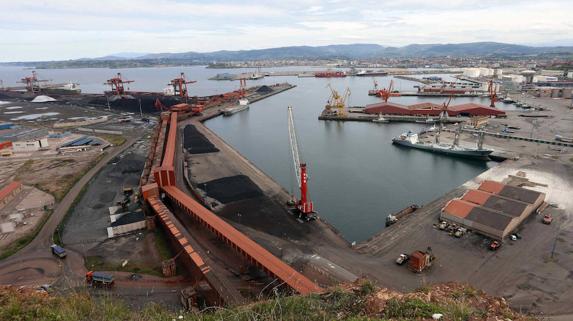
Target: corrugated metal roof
{"type": "Point", "coordinates": [491, 187]}
{"type": "Point", "coordinates": [8, 189]}
{"type": "Point", "coordinates": [458, 208]}
{"type": "Point", "coordinates": [490, 218]}
{"type": "Point", "coordinates": [520, 194]}
{"type": "Point", "coordinates": [476, 196]}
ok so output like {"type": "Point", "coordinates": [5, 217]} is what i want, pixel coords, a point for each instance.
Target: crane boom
{"type": "Point", "coordinates": [304, 205]}
{"type": "Point", "coordinates": [293, 145]}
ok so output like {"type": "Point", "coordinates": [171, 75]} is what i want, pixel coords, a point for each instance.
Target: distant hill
{"type": "Point", "coordinates": [358, 51]}
{"type": "Point", "coordinates": [350, 51]}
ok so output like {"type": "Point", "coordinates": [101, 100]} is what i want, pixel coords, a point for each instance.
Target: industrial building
{"type": "Point", "coordinates": [430, 109]}
{"type": "Point", "coordinates": [8, 192]}
{"type": "Point", "coordinates": [82, 144]}
{"type": "Point", "coordinates": [25, 140]}
{"type": "Point", "coordinates": [126, 223]}
{"type": "Point", "coordinates": [494, 209]}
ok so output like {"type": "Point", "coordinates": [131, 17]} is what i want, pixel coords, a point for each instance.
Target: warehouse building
{"type": "Point", "coordinates": [125, 223]}
{"type": "Point", "coordinates": [494, 209]}
{"type": "Point", "coordinates": [8, 192]}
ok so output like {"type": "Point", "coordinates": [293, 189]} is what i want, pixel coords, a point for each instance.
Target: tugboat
{"type": "Point", "coordinates": [410, 139]}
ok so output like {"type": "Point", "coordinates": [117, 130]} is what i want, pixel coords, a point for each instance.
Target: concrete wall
{"type": "Point", "coordinates": [29, 145]}
{"type": "Point", "coordinates": [123, 229]}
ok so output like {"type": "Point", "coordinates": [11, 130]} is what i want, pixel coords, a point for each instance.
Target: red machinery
{"type": "Point", "coordinates": [243, 87]}
{"type": "Point", "coordinates": [117, 83]}
{"type": "Point", "coordinates": [387, 93]}
{"type": "Point", "coordinates": [492, 93]}
{"type": "Point", "coordinates": [304, 206]}
{"type": "Point", "coordinates": [180, 86]}
{"type": "Point", "coordinates": [32, 82]}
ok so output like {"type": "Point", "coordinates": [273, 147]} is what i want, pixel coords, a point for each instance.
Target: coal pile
{"type": "Point", "coordinates": [231, 189]}
{"type": "Point", "coordinates": [132, 104]}
{"type": "Point", "coordinates": [264, 89]}
{"type": "Point", "coordinates": [195, 142]}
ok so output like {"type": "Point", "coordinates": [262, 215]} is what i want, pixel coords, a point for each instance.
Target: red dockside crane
{"type": "Point", "coordinates": [304, 205]}
{"type": "Point", "coordinates": [32, 82]}
{"type": "Point", "coordinates": [242, 87]}
{"type": "Point", "coordinates": [180, 86]}
{"type": "Point", "coordinates": [492, 93]}
{"type": "Point", "coordinates": [387, 93]}
{"type": "Point", "coordinates": [116, 83]}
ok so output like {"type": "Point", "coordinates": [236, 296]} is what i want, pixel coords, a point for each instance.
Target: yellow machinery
{"type": "Point", "coordinates": [336, 104]}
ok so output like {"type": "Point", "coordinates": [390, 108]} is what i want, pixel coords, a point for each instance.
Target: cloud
{"type": "Point", "coordinates": [51, 29]}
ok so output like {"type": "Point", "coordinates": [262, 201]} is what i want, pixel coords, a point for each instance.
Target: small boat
{"type": "Point", "coordinates": [243, 105]}
{"type": "Point", "coordinates": [426, 121]}
{"type": "Point", "coordinates": [380, 119]}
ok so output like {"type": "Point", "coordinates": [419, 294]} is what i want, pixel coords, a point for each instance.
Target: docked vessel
{"type": "Point", "coordinates": [330, 74]}
{"type": "Point", "coordinates": [380, 119]}
{"type": "Point", "coordinates": [243, 105]}
{"type": "Point", "coordinates": [410, 139]}
{"type": "Point", "coordinates": [33, 86]}
{"type": "Point", "coordinates": [371, 73]}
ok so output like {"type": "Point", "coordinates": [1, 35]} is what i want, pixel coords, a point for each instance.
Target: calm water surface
{"type": "Point", "coordinates": [357, 177]}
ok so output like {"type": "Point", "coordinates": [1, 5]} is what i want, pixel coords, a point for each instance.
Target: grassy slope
{"type": "Point", "coordinates": [356, 302]}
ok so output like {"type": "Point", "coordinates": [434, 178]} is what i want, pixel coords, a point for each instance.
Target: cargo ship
{"type": "Point", "coordinates": [410, 139]}
{"type": "Point", "coordinates": [330, 74]}
{"type": "Point", "coordinates": [32, 86]}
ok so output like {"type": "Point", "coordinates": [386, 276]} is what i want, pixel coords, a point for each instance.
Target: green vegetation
{"type": "Point", "coordinates": [115, 140]}
{"type": "Point", "coordinates": [57, 237]}
{"type": "Point", "coordinates": [161, 244]}
{"type": "Point", "coordinates": [357, 303]}
{"type": "Point", "coordinates": [99, 263]}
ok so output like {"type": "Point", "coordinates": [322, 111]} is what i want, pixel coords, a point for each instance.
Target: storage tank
{"type": "Point", "coordinates": [471, 72]}
{"type": "Point", "coordinates": [528, 74]}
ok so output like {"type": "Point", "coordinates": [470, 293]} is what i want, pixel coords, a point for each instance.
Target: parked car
{"type": "Point", "coordinates": [494, 245]}
{"type": "Point", "coordinates": [402, 258]}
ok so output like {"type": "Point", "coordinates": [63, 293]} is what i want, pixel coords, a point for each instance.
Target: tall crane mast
{"type": "Point", "coordinates": [492, 93]}
{"type": "Point", "coordinates": [116, 83]}
{"type": "Point", "coordinates": [387, 93]}
{"type": "Point", "coordinates": [180, 86]}
{"type": "Point", "coordinates": [304, 205]}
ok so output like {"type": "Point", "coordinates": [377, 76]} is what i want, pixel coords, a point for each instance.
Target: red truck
{"type": "Point", "coordinates": [420, 261]}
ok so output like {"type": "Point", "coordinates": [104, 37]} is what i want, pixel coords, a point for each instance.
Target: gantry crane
{"type": "Point", "coordinates": [33, 83]}
{"type": "Point", "coordinates": [491, 89]}
{"type": "Point", "coordinates": [387, 93]}
{"type": "Point", "coordinates": [116, 83]}
{"type": "Point", "coordinates": [304, 206]}
{"type": "Point", "coordinates": [337, 102]}
{"type": "Point", "coordinates": [180, 86]}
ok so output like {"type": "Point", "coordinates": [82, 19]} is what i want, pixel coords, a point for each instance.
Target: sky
{"type": "Point", "coordinates": [32, 30]}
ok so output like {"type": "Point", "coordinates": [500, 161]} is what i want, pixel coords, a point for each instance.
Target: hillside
{"type": "Point", "coordinates": [360, 301]}
{"type": "Point", "coordinates": [349, 51]}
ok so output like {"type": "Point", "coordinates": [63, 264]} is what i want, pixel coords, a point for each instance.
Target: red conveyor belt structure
{"type": "Point", "coordinates": [162, 181]}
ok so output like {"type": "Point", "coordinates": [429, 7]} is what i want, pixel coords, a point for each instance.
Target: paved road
{"type": "Point", "coordinates": [34, 264]}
